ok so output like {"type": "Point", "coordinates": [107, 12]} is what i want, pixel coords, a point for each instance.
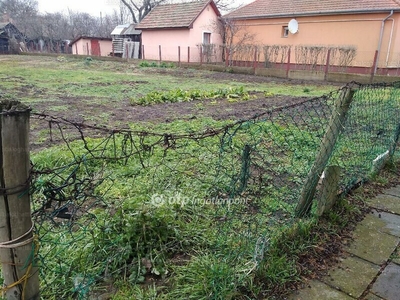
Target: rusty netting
{"type": "Point", "coordinates": [128, 205]}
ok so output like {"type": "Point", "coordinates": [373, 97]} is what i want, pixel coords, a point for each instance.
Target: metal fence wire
{"type": "Point", "coordinates": [119, 204]}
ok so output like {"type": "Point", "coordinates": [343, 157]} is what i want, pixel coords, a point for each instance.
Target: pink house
{"type": "Point", "coordinates": [362, 34]}
{"type": "Point", "coordinates": [182, 32]}
{"type": "Point", "coordinates": [95, 46]}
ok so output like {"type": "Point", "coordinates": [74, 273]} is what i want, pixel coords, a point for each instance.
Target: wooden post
{"type": "Point", "coordinates": [328, 58]}
{"type": "Point", "coordinates": [329, 189]}
{"type": "Point", "coordinates": [288, 64]}
{"type": "Point", "coordinates": [143, 56]}
{"type": "Point", "coordinates": [17, 245]}
{"type": "Point", "coordinates": [188, 54]}
{"type": "Point", "coordinates": [201, 55]}
{"type": "Point", "coordinates": [335, 126]}
{"type": "Point", "coordinates": [159, 52]}
{"type": "Point", "coordinates": [226, 57]}
{"type": "Point", "coordinates": [179, 55]}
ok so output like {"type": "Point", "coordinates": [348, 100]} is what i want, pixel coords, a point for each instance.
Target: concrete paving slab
{"type": "Point", "coordinates": [394, 191]}
{"type": "Point", "coordinates": [318, 290]}
{"type": "Point", "coordinates": [387, 285]}
{"type": "Point", "coordinates": [352, 276]}
{"type": "Point", "coordinates": [383, 222]}
{"type": "Point", "coordinates": [396, 257]}
{"type": "Point", "coordinates": [385, 202]}
{"type": "Point", "coordinates": [372, 245]}
{"type": "Point", "coordinates": [371, 296]}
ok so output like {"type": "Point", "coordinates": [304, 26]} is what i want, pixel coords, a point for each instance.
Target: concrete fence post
{"type": "Point", "coordinates": [288, 64]}
{"type": "Point", "coordinates": [255, 59]}
{"type": "Point", "coordinates": [179, 55]}
{"type": "Point", "coordinates": [374, 66]}
{"type": "Point", "coordinates": [335, 127]}
{"type": "Point", "coordinates": [328, 58]}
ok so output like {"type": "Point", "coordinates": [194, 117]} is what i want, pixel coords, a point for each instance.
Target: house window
{"type": "Point", "coordinates": [206, 38]}
{"type": "Point", "coordinates": [285, 31]}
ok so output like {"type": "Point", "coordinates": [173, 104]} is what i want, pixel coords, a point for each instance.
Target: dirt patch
{"type": "Point", "coordinates": [122, 112]}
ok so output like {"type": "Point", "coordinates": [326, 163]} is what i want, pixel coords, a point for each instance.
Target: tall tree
{"type": "Point", "coordinates": [140, 8]}
{"type": "Point", "coordinates": [22, 12]}
{"type": "Point", "coordinates": [19, 8]}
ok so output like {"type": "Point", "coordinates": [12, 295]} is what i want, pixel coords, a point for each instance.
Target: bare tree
{"type": "Point", "coordinates": [238, 40]}
{"type": "Point", "coordinates": [19, 8]}
{"type": "Point", "coordinates": [107, 24]}
{"type": "Point", "coordinates": [22, 12]}
{"type": "Point", "coordinates": [227, 5]}
{"type": "Point", "coordinates": [140, 8]}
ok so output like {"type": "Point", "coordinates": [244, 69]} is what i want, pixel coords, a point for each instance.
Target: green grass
{"type": "Point", "coordinates": [166, 222]}
{"type": "Point", "coordinates": [35, 79]}
{"type": "Point", "coordinates": [141, 230]}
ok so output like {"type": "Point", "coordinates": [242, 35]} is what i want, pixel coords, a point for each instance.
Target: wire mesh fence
{"type": "Point", "coordinates": [134, 205]}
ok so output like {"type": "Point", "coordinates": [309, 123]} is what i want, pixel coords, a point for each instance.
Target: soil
{"type": "Point", "coordinates": [116, 114]}
{"type": "Point", "coordinates": [124, 113]}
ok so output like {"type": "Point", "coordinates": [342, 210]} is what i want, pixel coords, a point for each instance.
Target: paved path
{"type": "Point", "coordinates": [371, 268]}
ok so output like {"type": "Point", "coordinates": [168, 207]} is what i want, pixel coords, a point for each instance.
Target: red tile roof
{"type": "Point", "coordinates": [292, 8]}
{"type": "Point", "coordinates": [178, 15]}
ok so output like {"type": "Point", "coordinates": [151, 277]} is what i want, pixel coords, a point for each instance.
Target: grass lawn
{"type": "Point", "coordinates": [189, 198]}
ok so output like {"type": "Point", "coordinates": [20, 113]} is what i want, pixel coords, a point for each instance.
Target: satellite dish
{"type": "Point", "coordinates": [293, 26]}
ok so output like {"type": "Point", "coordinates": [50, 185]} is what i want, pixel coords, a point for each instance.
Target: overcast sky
{"type": "Point", "coordinates": [93, 7]}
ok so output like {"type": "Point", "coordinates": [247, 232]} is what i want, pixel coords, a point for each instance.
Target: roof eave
{"type": "Point", "coordinates": [89, 37]}
{"type": "Point", "coordinates": [313, 14]}
{"type": "Point", "coordinates": [164, 28]}
{"type": "Point", "coordinates": [213, 6]}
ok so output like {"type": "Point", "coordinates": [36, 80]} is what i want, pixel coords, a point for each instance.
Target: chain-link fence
{"type": "Point", "coordinates": [137, 205]}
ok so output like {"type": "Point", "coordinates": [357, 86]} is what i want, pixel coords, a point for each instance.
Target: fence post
{"type": "Point", "coordinates": [255, 60]}
{"type": "Point", "coordinates": [329, 189]}
{"type": "Point", "coordinates": [17, 246]}
{"type": "Point", "coordinates": [201, 55]}
{"type": "Point", "coordinates": [335, 126]}
{"type": "Point", "coordinates": [188, 54]}
{"type": "Point", "coordinates": [159, 52]}
{"type": "Point", "coordinates": [143, 56]}
{"type": "Point", "coordinates": [374, 66]}
{"type": "Point", "coordinates": [179, 55]}
{"type": "Point", "coordinates": [288, 64]}
{"type": "Point", "coordinates": [226, 57]}
{"type": "Point", "coordinates": [328, 58]}
{"type": "Point", "coordinates": [394, 141]}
